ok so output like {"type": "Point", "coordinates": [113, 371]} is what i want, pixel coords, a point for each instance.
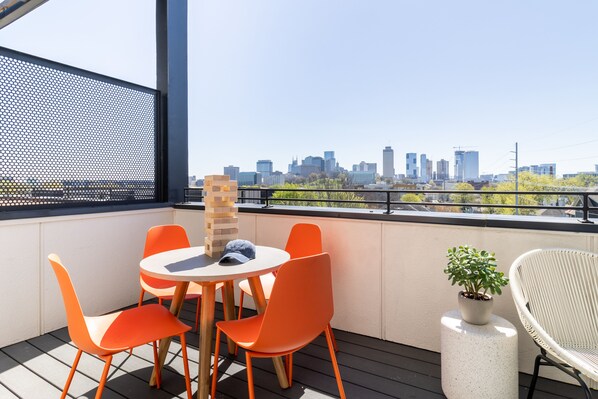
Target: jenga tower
{"type": "Point", "coordinates": [221, 222]}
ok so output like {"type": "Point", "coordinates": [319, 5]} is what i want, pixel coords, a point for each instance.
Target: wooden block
{"type": "Point", "coordinates": [218, 234]}
{"type": "Point", "coordinates": [225, 195]}
{"type": "Point", "coordinates": [216, 203]}
{"type": "Point", "coordinates": [222, 209]}
{"type": "Point", "coordinates": [224, 237]}
{"type": "Point", "coordinates": [214, 248]}
{"type": "Point", "coordinates": [216, 178]}
{"type": "Point", "coordinates": [216, 187]}
{"type": "Point", "coordinates": [222, 223]}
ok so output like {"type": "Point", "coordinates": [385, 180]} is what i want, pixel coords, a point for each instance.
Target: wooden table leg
{"type": "Point", "coordinates": [257, 292]}
{"type": "Point", "coordinates": [228, 293]}
{"type": "Point", "coordinates": [175, 308]}
{"type": "Point", "coordinates": [206, 328]}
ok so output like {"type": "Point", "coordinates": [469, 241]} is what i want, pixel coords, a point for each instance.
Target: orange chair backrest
{"type": "Point", "coordinates": [300, 305]}
{"type": "Point", "coordinates": [160, 239]}
{"type": "Point", "coordinates": [78, 330]}
{"type": "Point", "coordinates": [305, 239]}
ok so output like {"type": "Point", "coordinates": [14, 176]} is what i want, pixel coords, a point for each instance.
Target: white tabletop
{"type": "Point", "coordinates": [192, 264]}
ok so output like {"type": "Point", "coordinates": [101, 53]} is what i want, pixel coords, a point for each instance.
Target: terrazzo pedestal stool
{"type": "Point", "coordinates": [478, 361]}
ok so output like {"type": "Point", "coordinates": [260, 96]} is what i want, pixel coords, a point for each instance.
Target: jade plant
{"type": "Point", "coordinates": [475, 271]}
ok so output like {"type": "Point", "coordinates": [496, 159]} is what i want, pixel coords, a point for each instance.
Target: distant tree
{"type": "Point", "coordinates": [297, 198]}
{"type": "Point", "coordinates": [463, 198]}
{"type": "Point", "coordinates": [412, 197]}
{"type": "Point", "coordinates": [527, 182]}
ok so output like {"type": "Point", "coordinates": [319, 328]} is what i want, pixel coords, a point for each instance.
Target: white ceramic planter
{"type": "Point", "coordinates": [475, 311]}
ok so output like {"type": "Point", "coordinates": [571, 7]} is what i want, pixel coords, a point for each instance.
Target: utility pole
{"type": "Point", "coordinates": [516, 178]}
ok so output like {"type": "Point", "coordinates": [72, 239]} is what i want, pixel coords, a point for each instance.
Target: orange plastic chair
{"type": "Point", "coordinates": [300, 309]}
{"type": "Point", "coordinates": [116, 332]}
{"type": "Point", "coordinates": [305, 239]}
{"type": "Point", "coordinates": [160, 239]}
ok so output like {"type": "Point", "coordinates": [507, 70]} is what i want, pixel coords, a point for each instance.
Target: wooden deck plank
{"type": "Point", "coordinates": [6, 394]}
{"type": "Point", "coordinates": [370, 368]}
{"type": "Point", "coordinates": [24, 382]}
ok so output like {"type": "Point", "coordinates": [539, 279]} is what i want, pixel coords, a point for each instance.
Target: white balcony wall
{"type": "Point", "coordinates": [388, 279]}
{"type": "Point", "coordinates": [101, 251]}
{"type": "Point", "coordinates": [388, 276]}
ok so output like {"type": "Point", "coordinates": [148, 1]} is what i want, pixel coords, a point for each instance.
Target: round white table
{"type": "Point", "coordinates": [478, 361]}
{"type": "Point", "coordinates": [192, 264]}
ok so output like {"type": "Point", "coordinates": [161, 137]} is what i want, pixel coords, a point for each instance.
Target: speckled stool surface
{"type": "Point", "coordinates": [478, 361]}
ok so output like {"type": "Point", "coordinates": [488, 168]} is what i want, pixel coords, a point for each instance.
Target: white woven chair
{"type": "Point", "coordinates": [556, 294]}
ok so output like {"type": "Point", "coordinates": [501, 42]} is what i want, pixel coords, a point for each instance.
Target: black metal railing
{"type": "Point", "coordinates": [575, 204]}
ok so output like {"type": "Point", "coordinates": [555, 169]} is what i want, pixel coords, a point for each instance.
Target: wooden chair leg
{"type": "Point", "coordinates": [197, 312]}
{"type": "Point", "coordinates": [108, 360]}
{"type": "Point", "coordinates": [241, 297]}
{"type": "Point", "coordinates": [141, 297]}
{"type": "Point", "coordinates": [157, 365]}
{"type": "Point", "coordinates": [337, 373]}
{"type": "Point", "coordinates": [186, 366]}
{"type": "Point", "coordinates": [71, 374]}
{"type": "Point", "coordinates": [249, 375]}
{"type": "Point", "coordinates": [215, 369]}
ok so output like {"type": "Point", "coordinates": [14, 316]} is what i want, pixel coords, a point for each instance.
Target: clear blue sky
{"type": "Point", "coordinates": [271, 79]}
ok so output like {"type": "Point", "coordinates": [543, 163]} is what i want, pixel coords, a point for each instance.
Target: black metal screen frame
{"type": "Point", "coordinates": [148, 190]}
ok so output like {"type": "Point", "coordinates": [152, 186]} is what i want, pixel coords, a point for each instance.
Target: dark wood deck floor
{"type": "Point", "coordinates": [371, 369]}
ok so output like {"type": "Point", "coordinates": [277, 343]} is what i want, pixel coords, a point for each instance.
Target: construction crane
{"type": "Point", "coordinates": [458, 148]}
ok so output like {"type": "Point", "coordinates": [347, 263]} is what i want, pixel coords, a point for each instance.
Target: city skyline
{"type": "Point", "coordinates": [467, 170]}
{"type": "Point", "coordinates": [286, 79]}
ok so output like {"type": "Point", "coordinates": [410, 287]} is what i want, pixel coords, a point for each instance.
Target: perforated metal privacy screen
{"type": "Point", "coordinates": [72, 138]}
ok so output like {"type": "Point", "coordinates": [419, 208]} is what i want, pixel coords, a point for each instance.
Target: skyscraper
{"type": "Point", "coordinates": [467, 165]}
{"type": "Point", "coordinates": [411, 165]}
{"type": "Point", "coordinates": [471, 167]}
{"type": "Point", "coordinates": [442, 170]}
{"type": "Point", "coordinates": [388, 162]}
{"type": "Point", "coordinates": [329, 162]}
{"type": "Point", "coordinates": [264, 166]}
{"type": "Point", "coordinates": [232, 171]}
{"type": "Point", "coordinates": [423, 164]}
{"type": "Point", "coordinates": [459, 167]}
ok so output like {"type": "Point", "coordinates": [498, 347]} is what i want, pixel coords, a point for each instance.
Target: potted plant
{"type": "Point", "coordinates": [476, 272]}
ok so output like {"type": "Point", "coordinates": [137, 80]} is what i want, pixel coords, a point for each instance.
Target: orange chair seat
{"type": "Point", "coordinates": [115, 333]}
{"type": "Point", "coordinates": [244, 331]}
{"type": "Point", "coordinates": [267, 284]}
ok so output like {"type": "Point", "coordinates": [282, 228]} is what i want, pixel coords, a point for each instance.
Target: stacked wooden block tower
{"type": "Point", "coordinates": [221, 222]}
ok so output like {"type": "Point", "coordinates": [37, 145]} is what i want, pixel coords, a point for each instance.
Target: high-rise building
{"type": "Point", "coordinates": [365, 167]}
{"type": "Point", "coordinates": [232, 171]}
{"type": "Point", "coordinates": [429, 169]}
{"type": "Point", "coordinates": [264, 167]}
{"type": "Point", "coordinates": [294, 167]}
{"type": "Point", "coordinates": [543, 169]}
{"type": "Point", "coordinates": [329, 162]}
{"type": "Point", "coordinates": [273, 179]}
{"type": "Point", "coordinates": [411, 165]}
{"type": "Point", "coordinates": [315, 161]}
{"type": "Point", "coordinates": [249, 178]}
{"type": "Point", "coordinates": [467, 165]}
{"type": "Point", "coordinates": [388, 162]}
{"type": "Point", "coordinates": [442, 169]}
{"type": "Point", "coordinates": [471, 167]}
{"type": "Point", "coordinates": [423, 164]}
{"type": "Point", "coordinates": [459, 167]}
